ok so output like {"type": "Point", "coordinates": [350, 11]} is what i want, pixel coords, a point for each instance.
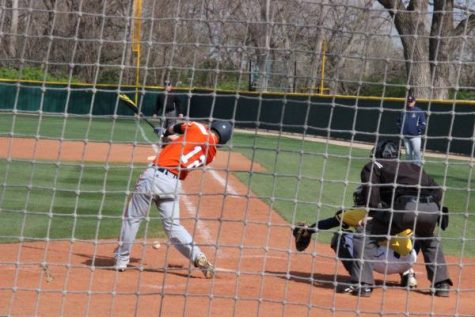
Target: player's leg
{"type": "Point", "coordinates": [180, 237]}
{"type": "Point", "coordinates": [431, 248]}
{"type": "Point", "coordinates": [170, 118]}
{"type": "Point", "coordinates": [135, 211]}
{"type": "Point", "coordinates": [342, 244]}
{"type": "Point", "coordinates": [416, 150]}
{"type": "Point", "coordinates": [436, 266]}
{"type": "Point", "coordinates": [390, 262]}
{"type": "Point", "coordinates": [409, 149]}
{"type": "Point", "coordinates": [364, 251]}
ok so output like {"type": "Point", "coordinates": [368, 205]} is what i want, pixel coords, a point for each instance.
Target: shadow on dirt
{"type": "Point", "coordinates": [328, 281]}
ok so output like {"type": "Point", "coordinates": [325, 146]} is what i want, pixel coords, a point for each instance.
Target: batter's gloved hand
{"type": "Point", "coordinates": [303, 235]}
{"type": "Point", "coordinates": [158, 131]}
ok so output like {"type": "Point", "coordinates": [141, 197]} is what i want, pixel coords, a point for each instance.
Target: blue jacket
{"type": "Point", "coordinates": [414, 121]}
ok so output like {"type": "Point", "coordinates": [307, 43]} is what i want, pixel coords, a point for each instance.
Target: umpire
{"type": "Point", "coordinates": [169, 105]}
{"type": "Point", "coordinates": [400, 196]}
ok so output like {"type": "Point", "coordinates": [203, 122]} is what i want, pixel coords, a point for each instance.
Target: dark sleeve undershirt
{"type": "Point", "coordinates": [326, 224]}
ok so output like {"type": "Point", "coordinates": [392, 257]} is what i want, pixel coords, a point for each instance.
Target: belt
{"type": "Point", "coordinates": [415, 199]}
{"type": "Point", "coordinates": [167, 172]}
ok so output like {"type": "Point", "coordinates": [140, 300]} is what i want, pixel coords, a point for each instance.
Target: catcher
{"type": "Point", "coordinates": [400, 195]}
{"type": "Point", "coordinates": [395, 256]}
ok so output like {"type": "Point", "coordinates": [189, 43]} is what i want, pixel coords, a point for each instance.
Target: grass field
{"type": "Point", "coordinates": [302, 180]}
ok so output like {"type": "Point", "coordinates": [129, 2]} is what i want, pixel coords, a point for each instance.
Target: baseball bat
{"type": "Point", "coordinates": [132, 106]}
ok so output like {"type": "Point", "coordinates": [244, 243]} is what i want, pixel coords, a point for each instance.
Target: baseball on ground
{"type": "Point", "coordinates": [156, 244]}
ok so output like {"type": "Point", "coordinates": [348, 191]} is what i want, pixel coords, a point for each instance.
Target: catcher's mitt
{"type": "Point", "coordinates": [303, 235]}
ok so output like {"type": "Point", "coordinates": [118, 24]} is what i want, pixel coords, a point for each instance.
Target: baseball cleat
{"type": "Point", "coordinates": [364, 290]}
{"type": "Point", "coordinates": [204, 265]}
{"type": "Point", "coordinates": [121, 264]}
{"type": "Point", "coordinates": [408, 279]}
{"type": "Point", "coordinates": [441, 289]}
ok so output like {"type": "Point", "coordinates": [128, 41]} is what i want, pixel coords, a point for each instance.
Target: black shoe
{"type": "Point", "coordinates": [363, 291]}
{"type": "Point", "coordinates": [441, 289]}
{"type": "Point", "coordinates": [408, 279]}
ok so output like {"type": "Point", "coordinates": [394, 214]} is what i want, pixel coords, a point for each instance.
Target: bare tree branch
{"type": "Point", "coordinates": [463, 8]}
{"type": "Point", "coordinates": [393, 5]}
{"type": "Point", "coordinates": [465, 26]}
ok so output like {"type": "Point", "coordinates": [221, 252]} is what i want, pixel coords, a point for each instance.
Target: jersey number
{"type": "Point", "coordinates": [201, 160]}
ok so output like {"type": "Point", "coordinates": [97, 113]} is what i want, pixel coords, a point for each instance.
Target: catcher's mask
{"type": "Point", "coordinates": [358, 199]}
{"type": "Point", "coordinates": [385, 149]}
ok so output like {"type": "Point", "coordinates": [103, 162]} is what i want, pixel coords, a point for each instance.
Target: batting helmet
{"type": "Point", "coordinates": [385, 149]}
{"type": "Point", "coordinates": [223, 129]}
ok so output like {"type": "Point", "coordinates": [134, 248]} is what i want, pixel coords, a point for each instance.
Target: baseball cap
{"type": "Point", "coordinates": [167, 83]}
{"type": "Point", "coordinates": [411, 99]}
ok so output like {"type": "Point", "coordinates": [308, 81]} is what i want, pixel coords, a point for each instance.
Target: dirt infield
{"type": "Point", "coordinates": [259, 271]}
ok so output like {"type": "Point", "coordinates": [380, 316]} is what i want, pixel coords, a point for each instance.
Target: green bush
{"type": "Point", "coordinates": [392, 88]}
{"type": "Point", "coordinates": [109, 76]}
{"type": "Point", "coordinates": [462, 94]}
{"type": "Point", "coordinates": [33, 73]}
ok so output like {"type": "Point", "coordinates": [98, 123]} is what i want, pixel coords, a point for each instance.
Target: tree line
{"type": "Point", "coordinates": [384, 47]}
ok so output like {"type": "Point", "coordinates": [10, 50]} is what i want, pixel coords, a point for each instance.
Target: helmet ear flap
{"type": "Point", "coordinates": [223, 129]}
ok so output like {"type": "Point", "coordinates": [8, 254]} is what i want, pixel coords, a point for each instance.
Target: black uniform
{"type": "Point", "coordinates": [400, 196]}
{"type": "Point", "coordinates": [169, 105]}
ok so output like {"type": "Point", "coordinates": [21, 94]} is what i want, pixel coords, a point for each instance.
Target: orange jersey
{"type": "Point", "coordinates": [194, 148]}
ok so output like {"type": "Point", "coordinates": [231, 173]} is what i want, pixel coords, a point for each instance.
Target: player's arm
{"type": "Point", "coordinates": [399, 122]}
{"type": "Point", "coordinates": [421, 124]}
{"type": "Point", "coordinates": [159, 105]}
{"type": "Point", "coordinates": [350, 217]}
{"type": "Point", "coordinates": [178, 106]}
{"type": "Point", "coordinates": [326, 224]}
{"type": "Point", "coordinates": [303, 232]}
{"type": "Point", "coordinates": [370, 181]}
{"type": "Point", "coordinates": [431, 187]}
{"type": "Point", "coordinates": [178, 128]}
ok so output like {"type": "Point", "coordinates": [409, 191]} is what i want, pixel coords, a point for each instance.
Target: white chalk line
{"type": "Point", "coordinates": [191, 208]}
{"type": "Point", "coordinates": [202, 227]}
{"type": "Point", "coordinates": [185, 285]}
{"type": "Point", "coordinates": [229, 188]}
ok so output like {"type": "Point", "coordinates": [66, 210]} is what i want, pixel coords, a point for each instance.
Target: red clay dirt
{"type": "Point", "coordinates": [259, 271]}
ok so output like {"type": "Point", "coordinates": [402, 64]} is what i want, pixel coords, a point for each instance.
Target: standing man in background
{"type": "Point", "coordinates": [412, 124]}
{"type": "Point", "coordinates": [169, 105]}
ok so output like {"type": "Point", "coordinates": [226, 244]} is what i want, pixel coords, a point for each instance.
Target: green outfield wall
{"type": "Point", "coordinates": [451, 124]}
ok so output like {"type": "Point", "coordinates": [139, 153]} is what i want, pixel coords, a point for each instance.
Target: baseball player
{"type": "Point", "coordinates": [388, 259]}
{"type": "Point", "coordinates": [191, 146]}
{"type": "Point", "coordinates": [399, 195]}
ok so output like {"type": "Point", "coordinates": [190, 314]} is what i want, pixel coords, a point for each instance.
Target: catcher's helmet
{"type": "Point", "coordinates": [386, 149]}
{"type": "Point", "coordinates": [223, 129]}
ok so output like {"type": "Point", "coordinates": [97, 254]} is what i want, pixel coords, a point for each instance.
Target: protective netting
{"type": "Point", "coordinates": [310, 87]}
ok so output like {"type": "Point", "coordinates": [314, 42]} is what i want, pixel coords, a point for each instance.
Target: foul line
{"type": "Point", "coordinates": [191, 209]}
{"type": "Point", "coordinates": [226, 185]}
